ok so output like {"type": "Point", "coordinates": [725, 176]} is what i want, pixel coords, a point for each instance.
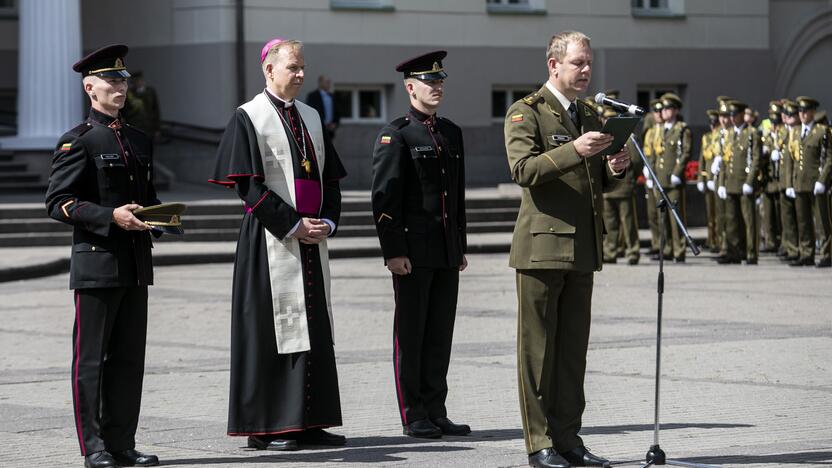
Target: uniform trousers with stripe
{"type": "Point", "coordinates": [552, 339]}
{"type": "Point", "coordinates": [423, 329]}
{"type": "Point", "coordinates": [108, 344]}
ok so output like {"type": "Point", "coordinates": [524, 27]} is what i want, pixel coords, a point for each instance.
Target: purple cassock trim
{"type": "Point", "coordinates": [307, 196]}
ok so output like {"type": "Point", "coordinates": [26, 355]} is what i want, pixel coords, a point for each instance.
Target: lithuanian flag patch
{"type": "Point", "coordinates": [385, 140]}
{"type": "Point", "coordinates": [65, 147]}
{"type": "Point", "coordinates": [516, 118]}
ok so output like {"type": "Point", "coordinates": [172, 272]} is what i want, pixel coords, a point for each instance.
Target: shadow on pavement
{"type": "Point", "coordinates": [791, 458]}
{"type": "Point", "coordinates": [357, 454]}
{"type": "Point", "coordinates": [595, 430]}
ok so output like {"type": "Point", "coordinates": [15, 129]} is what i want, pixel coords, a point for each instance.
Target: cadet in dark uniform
{"type": "Point", "coordinates": [419, 208]}
{"type": "Point", "coordinates": [102, 171]}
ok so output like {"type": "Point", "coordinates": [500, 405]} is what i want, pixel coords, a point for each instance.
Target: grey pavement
{"type": "Point", "coordinates": [746, 365]}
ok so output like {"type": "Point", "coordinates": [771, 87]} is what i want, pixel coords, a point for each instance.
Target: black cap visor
{"type": "Point", "coordinates": [430, 76]}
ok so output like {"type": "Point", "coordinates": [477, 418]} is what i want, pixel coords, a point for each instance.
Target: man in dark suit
{"type": "Point", "coordinates": [102, 171]}
{"type": "Point", "coordinates": [419, 206]}
{"type": "Point", "coordinates": [323, 101]}
{"type": "Point", "coordinates": [553, 142]}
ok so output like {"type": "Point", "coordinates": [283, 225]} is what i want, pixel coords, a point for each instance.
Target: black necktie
{"type": "Point", "coordinates": [573, 114]}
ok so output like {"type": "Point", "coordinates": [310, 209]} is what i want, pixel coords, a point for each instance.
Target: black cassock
{"type": "Point", "coordinates": [275, 393]}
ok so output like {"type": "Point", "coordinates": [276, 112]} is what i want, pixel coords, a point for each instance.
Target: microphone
{"type": "Point", "coordinates": [602, 98]}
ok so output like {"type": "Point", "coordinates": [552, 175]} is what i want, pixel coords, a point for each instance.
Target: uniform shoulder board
{"type": "Point", "coordinates": [400, 123]}
{"type": "Point", "coordinates": [532, 98]}
{"type": "Point", "coordinates": [80, 130]}
{"type": "Point", "coordinates": [449, 122]}
{"type": "Point", "coordinates": [133, 127]}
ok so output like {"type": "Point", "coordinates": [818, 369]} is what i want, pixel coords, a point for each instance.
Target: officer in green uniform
{"type": "Point", "coordinates": [705, 183]}
{"type": "Point", "coordinates": [772, 135]}
{"type": "Point", "coordinates": [553, 145]}
{"type": "Point", "coordinates": [811, 181]}
{"type": "Point", "coordinates": [620, 211]}
{"type": "Point", "coordinates": [670, 170]}
{"type": "Point", "coordinates": [719, 144]}
{"type": "Point", "coordinates": [736, 185]}
{"type": "Point", "coordinates": [653, 144]}
{"type": "Point", "coordinates": [790, 145]}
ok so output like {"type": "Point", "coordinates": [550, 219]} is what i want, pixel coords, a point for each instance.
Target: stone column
{"type": "Point", "coordinates": [49, 92]}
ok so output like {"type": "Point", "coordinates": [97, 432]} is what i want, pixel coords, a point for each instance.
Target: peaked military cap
{"type": "Point", "coordinates": [656, 105]}
{"type": "Point", "coordinates": [612, 93]}
{"type": "Point", "coordinates": [671, 100]}
{"type": "Point", "coordinates": [732, 107]}
{"type": "Point", "coordinates": [713, 114]}
{"type": "Point", "coordinates": [165, 217]}
{"type": "Point", "coordinates": [775, 107]}
{"type": "Point", "coordinates": [107, 61]}
{"type": "Point", "coordinates": [721, 99]}
{"type": "Point", "coordinates": [789, 107]}
{"type": "Point", "coordinates": [425, 67]}
{"type": "Point", "coordinates": [806, 103]}
{"type": "Point", "coordinates": [822, 117]}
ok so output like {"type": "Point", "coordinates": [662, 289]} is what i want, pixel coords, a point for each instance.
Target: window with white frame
{"type": "Point", "coordinates": [504, 96]}
{"type": "Point", "coordinates": [359, 104]}
{"type": "Point", "coordinates": [659, 8]}
{"type": "Point", "coordinates": [516, 6]}
{"type": "Point", "coordinates": [361, 4]}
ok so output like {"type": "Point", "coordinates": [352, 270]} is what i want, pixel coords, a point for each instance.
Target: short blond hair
{"type": "Point", "coordinates": [275, 49]}
{"type": "Point", "coordinates": [560, 41]}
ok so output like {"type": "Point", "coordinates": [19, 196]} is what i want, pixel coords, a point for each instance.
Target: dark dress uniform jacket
{"type": "Point", "coordinates": [419, 191]}
{"type": "Point", "coordinates": [98, 166]}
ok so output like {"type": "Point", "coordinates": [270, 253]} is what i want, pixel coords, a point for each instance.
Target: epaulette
{"type": "Point", "coordinates": [80, 129]}
{"type": "Point", "coordinates": [448, 121]}
{"type": "Point", "coordinates": [533, 98]}
{"type": "Point", "coordinates": [400, 123]}
{"type": "Point", "coordinates": [133, 127]}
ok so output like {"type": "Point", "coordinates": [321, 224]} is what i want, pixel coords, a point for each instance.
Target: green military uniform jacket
{"type": "Point", "coordinates": [560, 224]}
{"type": "Point", "coordinates": [775, 139]}
{"type": "Point", "coordinates": [707, 152]}
{"type": "Point", "coordinates": [791, 145]}
{"type": "Point", "coordinates": [811, 158]}
{"type": "Point", "coordinates": [738, 165]}
{"type": "Point", "coordinates": [675, 154]}
{"type": "Point", "coordinates": [653, 143]}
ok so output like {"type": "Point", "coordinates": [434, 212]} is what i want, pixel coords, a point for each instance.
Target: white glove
{"type": "Point", "coordinates": [716, 165]}
{"type": "Point", "coordinates": [649, 183]}
{"type": "Point", "coordinates": [820, 188]}
{"type": "Point", "coordinates": [645, 172]}
{"type": "Point", "coordinates": [790, 192]}
{"type": "Point", "coordinates": [747, 189]}
{"type": "Point", "coordinates": [775, 155]}
{"type": "Point", "coordinates": [711, 186]}
{"type": "Point", "coordinates": [701, 187]}
{"type": "Point", "coordinates": [723, 194]}
{"type": "Point", "coordinates": [675, 181]}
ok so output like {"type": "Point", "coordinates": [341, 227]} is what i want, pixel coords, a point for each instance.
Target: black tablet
{"type": "Point", "coordinates": [620, 128]}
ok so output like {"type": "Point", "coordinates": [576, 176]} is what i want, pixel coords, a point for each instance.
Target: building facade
{"type": "Point", "coordinates": [202, 56]}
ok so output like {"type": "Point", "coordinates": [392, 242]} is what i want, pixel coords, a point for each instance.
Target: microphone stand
{"type": "Point", "coordinates": [655, 455]}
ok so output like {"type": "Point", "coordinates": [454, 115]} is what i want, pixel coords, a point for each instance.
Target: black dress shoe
{"type": "Point", "coordinates": [269, 443]}
{"type": "Point", "coordinates": [101, 459]}
{"type": "Point", "coordinates": [449, 428]}
{"type": "Point", "coordinates": [679, 260]}
{"type": "Point", "coordinates": [422, 429]}
{"type": "Point", "coordinates": [581, 456]}
{"type": "Point", "coordinates": [547, 458]}
{"type": "Point", "coordinates": [632, 261]}
{"type": "Point", "coordinates": [132, 457]}
{"type": "Point", "coordinates": [610, 260]}
{"type": "Point", "coordinates": [320, 437]}
{"type": "Point", "coordinates": [724, 260]}
{"type": "Point", "coordinates": [806, 261]}
{"type": "Point", "coordinates": [751, 261]}
{"type": "Point", "coordinates": [825, 263]}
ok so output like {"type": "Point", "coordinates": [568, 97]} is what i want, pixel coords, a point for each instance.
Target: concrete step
{"type": "Point", "coordinates": [9, 166]}
{"type": "Point", "coordinates": [19, 177]}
